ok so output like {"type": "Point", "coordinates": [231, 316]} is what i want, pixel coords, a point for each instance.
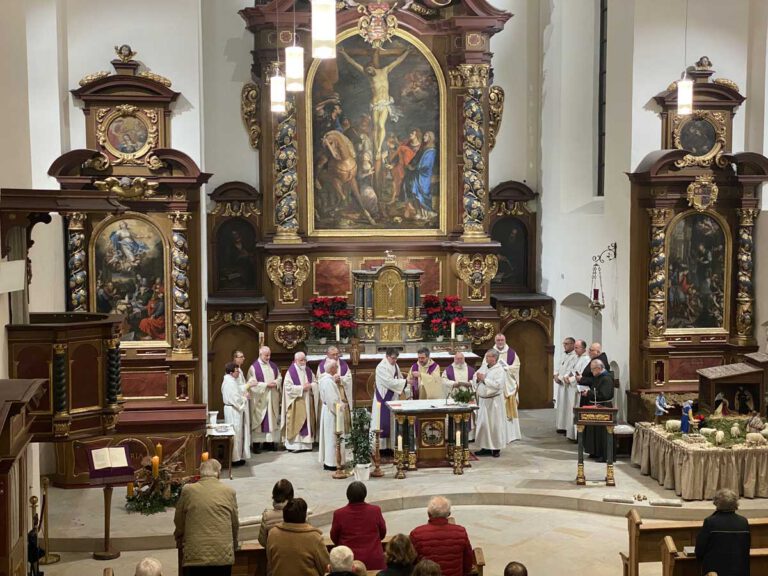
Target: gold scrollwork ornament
{"type": "Point", "coordinates": [156, 77]}
{"type": "Point", "coordinates": [290, 335]}
{"type": "Point", "coordinates": [250, 97]}
{"type": "Point", "coordinates": [717, 120]}
{"type": "Point", "coordinates": [135, 136]}
{"type": "Point", "coordinates": [702, 192]}
{"type": "Point", "coordinates": [495, 113]}
{"type": "Point", "coordinates": [127, 188]}
{"type": "Point", "coordinates": [476, 271]}
{"type": "Point", "coordinates": [480, 332]}
{"type": "Point", "coordinates": [288, 273]}
{"type": "Point", "coordinates": [88, 78]}
{"type": "Point", "coordinates": [377, 23]}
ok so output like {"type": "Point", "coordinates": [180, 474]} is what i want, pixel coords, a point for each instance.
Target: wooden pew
{"type": "Point", "coordinates": [645, 538]}
{"type": "Point", "coordinates": [676, 563]}
{"type": "Point", "coordinates": [251, 559]}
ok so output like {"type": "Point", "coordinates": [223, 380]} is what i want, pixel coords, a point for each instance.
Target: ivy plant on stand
{"type": "Point", "coordinates": [360, 438]}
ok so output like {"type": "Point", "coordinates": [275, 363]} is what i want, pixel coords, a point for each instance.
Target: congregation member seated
{"type": "Point", "coordinates": [722, 545]}
{"type": "Point", "coordinates": [342, 562]}
{"type": "Point", "coordinates": [360, 568]}
{"type": "Point", "coordinates": [282, 492]}
{"type": "Point", "coordinates": [427, 568]}
{"type": "Point", "coordinates": [361, 527]}
{"type": "Point", "coordinates": [400, 557]}
{"type": "Point", "coordinates": [295, 548]}
{"type": "Point", "coordinates": [149, 567]}
{"type": "Point", "coordinates": [515, 569]}
{"type": "Point", "coordinates": [207, 524]}
{"type": "Point", "coordinates": [443, 542]}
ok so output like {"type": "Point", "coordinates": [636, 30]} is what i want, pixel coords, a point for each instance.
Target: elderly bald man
{"type": "Point", "coordinates": [595, 352]}
{"type": "Point", "coordinates": [600, 394]}
{"type": "Point", "coordinates": [334, 413]}
{"type": "Point", "coordinates": [299, 414]}
{"type": "Point", "coordinates": [442, 542]}
{"type": "Point", "coordinates": [265, 387]}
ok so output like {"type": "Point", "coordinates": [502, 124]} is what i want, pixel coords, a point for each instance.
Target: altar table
{"type": "Point", "coordinates": [421, 430]}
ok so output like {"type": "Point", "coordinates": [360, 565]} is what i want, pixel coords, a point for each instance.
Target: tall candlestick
{"type": "Point", "coordinates": [155, 466]}
{"type": "Point", "coordinates": [205, 457]}
{"type": "Point", "coordinates": [399, 443]}
{"type": "Point", "coordinates": [458, 438]}
{"type": "Point", "coordinates": [159, 451]}
{"type": "Point", "coordinates": [453, 330]}
{"type": "Point", "coordinates": [130, 490]}
{"type": "Point", "coordinates": [378, 415]}
{"type": "Point", "coordinates": [338, 332]}
{"type": "Point", "coordinates": [339, 418]}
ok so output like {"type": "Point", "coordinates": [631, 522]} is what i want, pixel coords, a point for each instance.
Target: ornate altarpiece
{"type": "Point", "coordinates": [332, 204]}
{"type": "Point", "coordinates": [140, 264]}
{"type": "Point", "coordinates": [694, 209]}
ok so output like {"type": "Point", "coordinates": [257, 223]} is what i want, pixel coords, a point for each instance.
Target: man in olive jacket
{"type": "Point", "coordinates": [206, 524]}
{"type": "Point", "coordinates": [295, 548]}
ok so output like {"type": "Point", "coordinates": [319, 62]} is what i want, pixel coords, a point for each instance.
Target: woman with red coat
{"type": "Point", "coordinates": [361, 527]}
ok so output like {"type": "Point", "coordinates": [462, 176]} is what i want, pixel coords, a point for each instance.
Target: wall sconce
{"type": "Point", "coordinates": [598, 294]}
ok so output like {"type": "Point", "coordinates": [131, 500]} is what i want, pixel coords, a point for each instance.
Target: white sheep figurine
{"type": "Point", "coordinates": [707, 431]}
{"type": "Point", "coordinates": [764, 432]}
{"type": "Point", "coordinates": [735, 431]}
{"type": "Point", "coordinates": [719, 437]}
{"type": "Point", "coordinates": [756, 439]}
{"type": "Point", "coordinates": [672, 425]}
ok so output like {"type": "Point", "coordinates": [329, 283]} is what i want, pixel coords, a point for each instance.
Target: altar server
{"type": "Point", "coordinates": [568, 359]}
{"type": "Point", "coordinates": [299, 405]}
{"type": "Point", "coordinates": [238, 357]}
{"type": "Point", "coordinates": [390, 385]}
{"type": "Point", "coordinates": [334, 412]}
{"type": "Point", "coordinates": [492, 385]}
{"type": "Point", "coordinates": [511, 362]}
{"type": "Point", "coordinates": [425, 375]}
{"type": "Point", "coordinates": [235, 405]}
{"type": "Point", "coordinates": [265, 386]}
{"type": "Point", "coordinates": [571, 385]}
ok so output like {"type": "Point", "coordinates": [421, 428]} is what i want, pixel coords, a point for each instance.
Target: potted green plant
{"type": "Point", "coordinates": [360, 438]}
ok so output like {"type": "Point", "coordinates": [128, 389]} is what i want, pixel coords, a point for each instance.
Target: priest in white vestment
{"type": "Point", "coordinates": [235, 409]}
{"type": "Point", "coordinates": [300, 397]}
{"type": "Point", "coordinates": [491, 381]}
{"type": "Point", "coordinates": [425, 375]}
{"type": "Point", "coordinates": [390, 385]}
{"type": "Point", "coordinates": [511, 361]}
{"type": "Point", "coordinates": [573, 397]}
{"type": "Point", "coordinates": [563, 371]}
{"type": "Point", "coordinates": [345, 374]}
{"type": "Point", "coordinates": [335, 393]}
{"type": "Point", "coordinates": [264, 383]}
{"type": "Point", "coordinates": [460, 374]}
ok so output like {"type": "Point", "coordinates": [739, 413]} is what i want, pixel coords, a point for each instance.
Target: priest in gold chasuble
{"type": "Point", "coordinates": [425, 374]}
{"type": "Point", "coordinates": [299, 405]}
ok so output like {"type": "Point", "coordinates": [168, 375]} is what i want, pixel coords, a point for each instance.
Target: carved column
{"type": "Point", "coordinates": [744, 283]}
{"type": "Point", "coordinates": [77, 262]}
{"type": "Point", "coordinates": [61, 418]}
{"type": "Point", "coordinates": [657, 274]}
{"type": "Point", "coordinates": [473, 78]}
{"type": "Point", "coordinates": [182, 318]}
{"type": "Point", "coordinates": [285, 164]}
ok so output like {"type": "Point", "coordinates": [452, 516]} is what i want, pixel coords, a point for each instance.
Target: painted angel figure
{"type": "Point", "coordinates": [126, 251]}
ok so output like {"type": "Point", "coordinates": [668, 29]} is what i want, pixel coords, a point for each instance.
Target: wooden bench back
{"type": "Point", "coordinates": [676, 563]}
{"type": "Point", "coordinates": [645, 539]}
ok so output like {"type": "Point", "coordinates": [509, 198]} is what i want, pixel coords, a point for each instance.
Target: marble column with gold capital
{"type": "Point", "coordinates": [473, 80]}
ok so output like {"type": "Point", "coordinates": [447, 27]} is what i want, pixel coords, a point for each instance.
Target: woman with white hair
{"type": "Point", "coordinates": [722, 545]}
{"type": "Point", "coordinates": [342, 562]}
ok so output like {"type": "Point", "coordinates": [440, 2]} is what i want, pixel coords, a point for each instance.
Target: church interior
{"type": "Point", "coordinates": [530, 187]}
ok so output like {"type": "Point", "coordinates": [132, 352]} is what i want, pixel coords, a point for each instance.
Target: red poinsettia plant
{"type": "Point", "coordinates": [453, 311]}
{"type": "Point", "coordinates": [438, 316]}
{"type": "Point", "coordinates": [326, 313]}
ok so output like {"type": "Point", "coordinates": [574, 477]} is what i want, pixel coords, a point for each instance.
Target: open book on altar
{"type": "Point", "coordinates": [109, 463]}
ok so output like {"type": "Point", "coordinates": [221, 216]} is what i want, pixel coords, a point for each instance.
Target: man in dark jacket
{"type": "Point", "coordinates": [595, 353]}
{"type": "Point", "coordinates": [360, 526]}
{"type": "Point", "coordinates": [443, 542]}
{"type": "Point", "coordinates": [600, 393]}
{"type": "Point", "coordinates": [723, 543]}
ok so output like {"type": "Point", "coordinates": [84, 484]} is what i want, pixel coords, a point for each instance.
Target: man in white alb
{"type": "Point", "coordinates": [511, 362]}
{"type": "Point", "coordinates": [235, 406]}
{"type": "Point", "coordinates": [345, 374]}
{"type": "Point", "coordinates": [299, 406]}
{"type": "Point", "coordinates": [457, 375]}
{"type": "Point", "coordinates": [492, 385]}
{"type": "Point", "coordinates": [264, 383]}
{"type": "Point", "coordinates": [334, 413]}
{"type": "Point", "coordinates": [563, 371]}
{"type": "Point", "coordinates": [390, 385]}
{"type": "Point", "coordinates": [572, 386]}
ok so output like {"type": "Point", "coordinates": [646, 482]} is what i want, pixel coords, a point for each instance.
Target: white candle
{"type": "Point", "coordinates": [378, 415]}
{"type": "Point", "coordinates": [338, 332]}
{"type": "Point", "coordinates": [453, 330]}
{"type": "Point", "coordinates": [458, 437]}
{"type": "Point", "coordinates": [399, 443]}
{"type": "Point", "coordinates": [339, 418]}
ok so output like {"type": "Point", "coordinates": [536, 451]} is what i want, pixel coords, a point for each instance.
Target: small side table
{"type": "Point", "coordinates": [221, 439]}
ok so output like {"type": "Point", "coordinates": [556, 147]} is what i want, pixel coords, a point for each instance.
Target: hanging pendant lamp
{"type": "Point", "coordinates": [324, 29]}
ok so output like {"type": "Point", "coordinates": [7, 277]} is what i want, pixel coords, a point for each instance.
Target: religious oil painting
{"type": "Point", "coordinates": [697, 273]}
{"type": "Point", "coordinates": [236, 256]}
{"type": "Point", "coordinates": [376, 123]}
{"type": "Point", "coordinates": [127, 134]}
{"type": "Point", "coordinates": [512, 234]}
{"type": "Point", "coordinates": [129, 271]}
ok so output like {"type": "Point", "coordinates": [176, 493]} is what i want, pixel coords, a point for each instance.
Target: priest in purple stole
{"type": "Point", "coordinates": [300, 398]}
{"type": "Point", "coordinates": [265, 385]}
{"type": "Point", "coordinates": [425, 375]}
{"type": "Point", "coordinates": [344, 372]}
{"type": "Point", "coordinates": [390, 385]}
{"type": "Point", "coordinates": [457, 375]}
{"type": "Point", "coordinates": [511, 361]}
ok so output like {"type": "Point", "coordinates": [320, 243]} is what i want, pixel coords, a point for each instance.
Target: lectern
{"type": "Point", "coordinates": [603, 416]}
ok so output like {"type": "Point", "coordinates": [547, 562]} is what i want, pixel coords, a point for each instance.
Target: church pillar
{"type": "Point", "coordinates": [744, 280]}
{"type": "Point", "coordinates": [182, 318]}
{"type": "Point", "coordinates": [77, 263]}
{"type": "Point", "coordinates": [657, 274]}
{"type": "Point", "coordinates": [285, 183]}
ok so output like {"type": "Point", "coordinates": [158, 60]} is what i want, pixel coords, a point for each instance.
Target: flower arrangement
{"type": "Point", "coordinates": [326, 313]}
{"type": "Point", "coordinates": [453, 311]}
{"type": "Point", "coordinates": [438, 316]}
{"type": "Point", "coordinates": [152, 492]}
{"type": "Point", "coordinates": [433, 317]}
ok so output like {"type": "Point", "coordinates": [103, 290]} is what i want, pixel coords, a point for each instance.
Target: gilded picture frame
{"type": "Point", "coordinates": [412, 57]}
{"type": "Point", "coordinates": [710, 131]}
{"type": "Point", "coordinates": [128, 256]}
{"type": "Point", "coordinates": [128, 133]}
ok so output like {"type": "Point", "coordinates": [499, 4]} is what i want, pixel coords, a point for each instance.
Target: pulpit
{"type": "Point", "coordinates": [600, 416]}
{"type": "Point", "coordinates": [388, 304]}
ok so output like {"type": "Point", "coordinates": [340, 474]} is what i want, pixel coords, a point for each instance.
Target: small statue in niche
{"type": "Point", "coordinates": [743, 401]}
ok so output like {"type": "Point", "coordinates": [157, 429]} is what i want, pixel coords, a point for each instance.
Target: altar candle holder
{"type": "Point", "coordinates": [377, 472]}
{"type": "Point", "coordinates": [401, 463]}
{"type": "Point", "coordinates": [458, 461]}
{"type": "Point", "coordinates": [339, 474]}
